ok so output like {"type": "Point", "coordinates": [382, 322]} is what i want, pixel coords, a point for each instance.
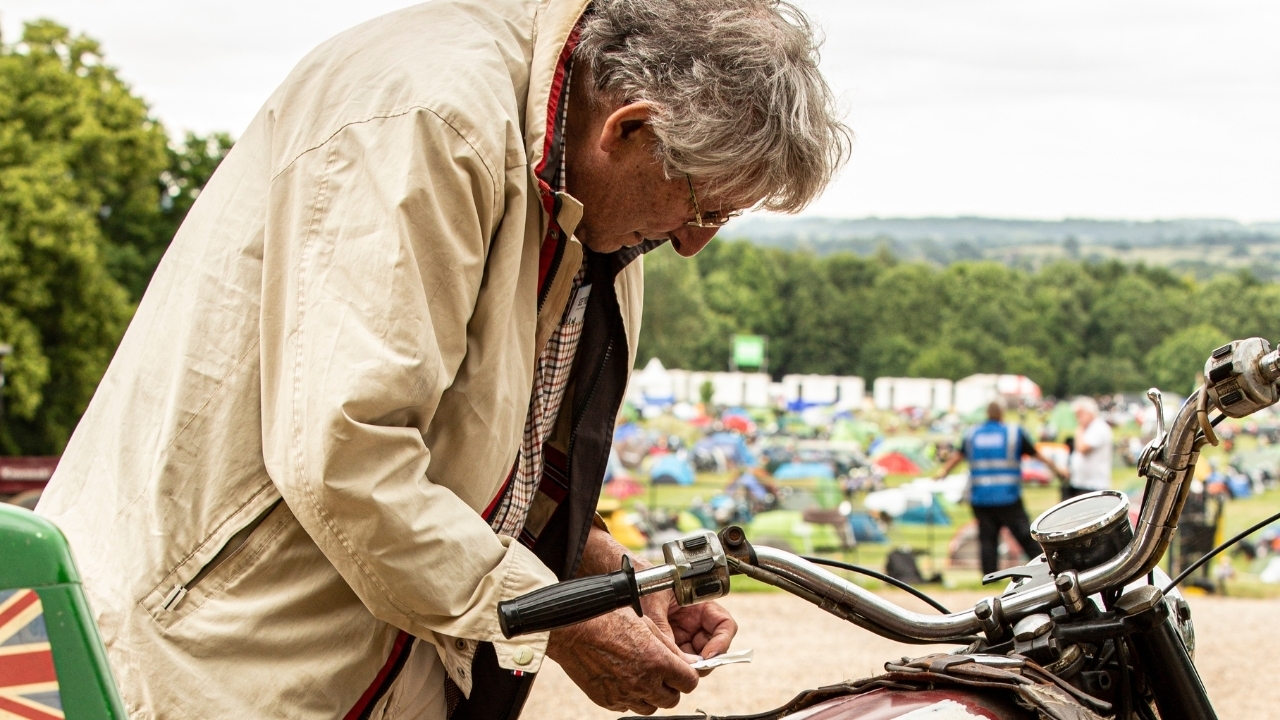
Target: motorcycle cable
{"type": "Point", "coordinates": [878, 576]}
{"type": "Point", "coordinates": [1214, 552]}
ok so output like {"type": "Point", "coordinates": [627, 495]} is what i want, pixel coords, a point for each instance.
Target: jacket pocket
{"type": "Point", "coordinates": [177, 597]}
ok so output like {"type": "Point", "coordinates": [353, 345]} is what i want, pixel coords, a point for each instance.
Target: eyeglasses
{"type": "Point", "coordinates": [708, 219]}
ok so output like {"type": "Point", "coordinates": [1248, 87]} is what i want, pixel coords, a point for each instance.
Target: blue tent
{"type": "Point", "coordinates": [626, 431]}
{"type": "Point", "coordinates": [925, 514]}
{"type": "Point", "coordinates": [670, 469]}
{"type": "Point", "coordinates": [804, 471]}
{"type": "Point", "coordinates": [749, 482]}
{"type": "Point", "coordinates": [733, 445]}
{"type": "Point", "coordinates": [865, 529]}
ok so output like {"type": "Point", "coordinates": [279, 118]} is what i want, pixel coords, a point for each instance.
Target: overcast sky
{"type": "Point", "coordinates": [1139, 109]}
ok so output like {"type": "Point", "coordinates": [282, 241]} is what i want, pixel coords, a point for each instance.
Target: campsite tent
{"type": "Point", "coordinates": [671, 469]}
{"type": "Point", "coordinates": [804, 471]}
{"type": "Point", "coordinates": [653, 385]}
{"type": "Point", "coordinates": [897, 463]}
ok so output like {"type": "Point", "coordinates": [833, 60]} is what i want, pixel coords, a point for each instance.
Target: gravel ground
{"type": "Point", "coordinates": [798, 646]}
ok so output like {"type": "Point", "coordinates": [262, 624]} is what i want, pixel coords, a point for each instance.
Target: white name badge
{"type": "Point", "coordinates": [578, 306]}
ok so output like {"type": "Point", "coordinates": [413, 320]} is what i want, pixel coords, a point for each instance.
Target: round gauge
{"type": "Point", "coordinates": [1085, 531]}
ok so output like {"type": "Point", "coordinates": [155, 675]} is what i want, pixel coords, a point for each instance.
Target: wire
{"type": "Point", "coordinates": [878, 576]}
{"type": "Point", "coordinates": [1214, 552]}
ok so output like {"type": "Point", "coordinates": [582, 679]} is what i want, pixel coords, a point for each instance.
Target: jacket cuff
{"type": "Point", "coordinates": [524, 573]}
{"type": "Point", "coordinates": [523, 653]}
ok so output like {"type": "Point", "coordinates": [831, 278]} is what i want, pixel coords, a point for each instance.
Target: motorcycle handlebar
{"type": "Point", "coordinates": [575, 601]}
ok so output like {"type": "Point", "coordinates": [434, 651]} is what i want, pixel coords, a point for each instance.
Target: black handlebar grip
{"type": "Point", "coordinates": [570, 602]}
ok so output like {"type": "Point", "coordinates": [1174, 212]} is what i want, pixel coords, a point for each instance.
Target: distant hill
{"type": "Point", "coordinates": [1201, 247]}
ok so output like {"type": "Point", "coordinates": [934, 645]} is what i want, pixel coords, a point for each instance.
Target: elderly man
{"type": "Point", "coordinates": [1091, 452]}
{"type": "Point", "coordinates": [371, 389]}
{"type": "Point", "coordinates": [994, 451]}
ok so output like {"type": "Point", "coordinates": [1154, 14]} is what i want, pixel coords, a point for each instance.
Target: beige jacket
{"type": "Point", "coordinates": [347, 321]}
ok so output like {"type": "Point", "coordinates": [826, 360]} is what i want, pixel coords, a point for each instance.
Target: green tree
{"type": "Point", "coordinates": [82, 167]}
{"type": "Point", "coordinates": [942, 361]}
{"type": "Point", "coordinates": [1176, 363]}
{"type": "Point", "coordinates": [887, 355]}
{"type": "Point", "coordinates": [1022, 360]}
{"type": "Point", "coordinates": [1102, 375]}
{"type": "Point", "coordinates": [677, 327]}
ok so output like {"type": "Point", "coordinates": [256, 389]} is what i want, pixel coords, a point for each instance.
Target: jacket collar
{"type": "Point", "coordinates": [554, 25]}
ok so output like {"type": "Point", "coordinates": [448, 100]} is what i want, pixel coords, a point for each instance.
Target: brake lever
{"type": "Point", "coordinates": [1157, 444]}
{"type": "Point", "coordinates": [1016, 573]}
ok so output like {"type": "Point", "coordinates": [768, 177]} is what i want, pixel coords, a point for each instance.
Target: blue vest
{"type": "Point", "coordinates": [995, 464]}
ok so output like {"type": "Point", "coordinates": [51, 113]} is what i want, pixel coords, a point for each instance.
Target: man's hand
{"type": "Point", "coordinates": [623, 663]}
{"type": "Point", "coordinates": [705, 629]}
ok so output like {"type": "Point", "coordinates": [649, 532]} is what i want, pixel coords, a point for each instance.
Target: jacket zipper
{"type": "Point", "coordinates": [553, 269]}
{"type": "Point", "coordinates": [233, 547]}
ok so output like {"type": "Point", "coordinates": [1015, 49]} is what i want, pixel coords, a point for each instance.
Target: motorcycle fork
{"type": "Point", "coordinates": [1166, 665]}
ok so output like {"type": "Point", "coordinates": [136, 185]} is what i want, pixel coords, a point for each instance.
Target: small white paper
{"type": "Point", "coordinates": [742, 656]}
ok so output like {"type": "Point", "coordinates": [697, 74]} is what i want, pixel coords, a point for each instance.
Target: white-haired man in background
{"type": "Point", "coordinates": [370, 392]}
{"type": "Point", "coordinates": [1090, 463]}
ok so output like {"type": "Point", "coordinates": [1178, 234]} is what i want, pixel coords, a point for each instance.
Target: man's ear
{"type": "Point", "coordinates": [623, 123]}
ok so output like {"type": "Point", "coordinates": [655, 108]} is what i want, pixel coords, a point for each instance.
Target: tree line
{"type": "Point", "coordinates": [1074, 327]}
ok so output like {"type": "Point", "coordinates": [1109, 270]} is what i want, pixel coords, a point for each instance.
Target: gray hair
{"type": "Point", "coordinates": [1087, 404]}
{"type": "Point", "coordinates": [740, 104]}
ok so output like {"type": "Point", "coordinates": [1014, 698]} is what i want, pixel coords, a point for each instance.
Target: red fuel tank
{"type": "Point", "coordinates": [887, 704]}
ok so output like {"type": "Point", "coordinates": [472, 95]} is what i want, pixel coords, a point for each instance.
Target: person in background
{"type": "Point", "coordinates": [994, 451]}
{"type": "Point", "coordinates": [1091, 454]}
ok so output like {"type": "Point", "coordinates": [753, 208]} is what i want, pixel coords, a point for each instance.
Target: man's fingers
{"type": "Point", "coordinates": [678, 673]}
{"type": "Point", "coordinates": [715, 631]}
{"type": "Point", "coordinates": [663, 633]}
{"type": "Point", "coordinates": [682, 678]}
{"type": "Point", "coordinates": [666, 696]}
{"type": "Point", "coordinates": [719, 642]}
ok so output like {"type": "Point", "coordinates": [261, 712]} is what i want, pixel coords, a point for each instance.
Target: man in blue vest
{"type": "Point", "coordinates": [994, 451]}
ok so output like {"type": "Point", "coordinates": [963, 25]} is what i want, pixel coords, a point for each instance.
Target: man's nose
{"type": "Point", "coordinates": [689, 240]}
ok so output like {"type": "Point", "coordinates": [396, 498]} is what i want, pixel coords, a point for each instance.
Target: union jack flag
{"type": "Point", "coordinates": [28, 683]}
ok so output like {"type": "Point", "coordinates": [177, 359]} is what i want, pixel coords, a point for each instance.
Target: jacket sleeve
{"type": "Point", "coordinates": [374, 256]}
